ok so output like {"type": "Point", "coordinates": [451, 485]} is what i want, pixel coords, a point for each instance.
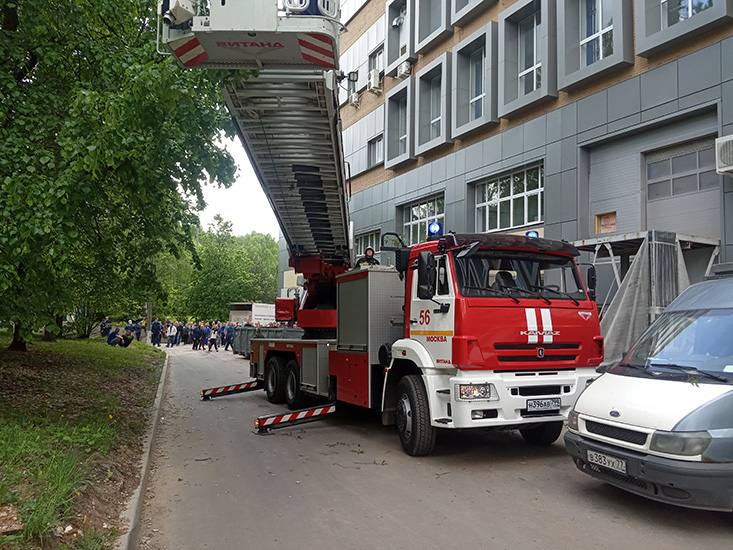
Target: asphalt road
{"type": "Point", "coordinates": [344, 483]}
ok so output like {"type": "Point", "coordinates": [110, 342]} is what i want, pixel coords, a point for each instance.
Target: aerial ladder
{"type": "Point", "coordinates": [287, 119]}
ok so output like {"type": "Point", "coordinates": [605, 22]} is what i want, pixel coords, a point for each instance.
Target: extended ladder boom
{"type": "Point", "coordinates": [287, 116]}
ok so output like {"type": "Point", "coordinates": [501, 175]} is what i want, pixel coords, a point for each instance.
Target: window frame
{"type": "Point", "coordinates": [461, 122]}
{"type": "Point", "coordinates": [482, 208]}
{"type": "Point", "coordinates": [511, 100]}
{"type": "Point", "coordinates": [392, 55]}
{"type": "Point", "coordinates": [427, 38]}
{"type": "Point", "coordinates": [670, 177]}
{"type": "Point", "coordinates": [408, 210]}
{"type": "Point", "coordinates": [375, 144]}
{"type": "Point", "coordinates": [651, 38]}
{"type": "Point", "coordinates": [439, 70]}
{"type": "Point", "coordinates": [571, 68]}
{"type": "Point", "coordinates": [393, 156]}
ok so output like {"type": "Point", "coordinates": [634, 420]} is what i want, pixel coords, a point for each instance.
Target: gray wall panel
{"type": "Point", "coordinates": [659, 85]}
{"type": "Point", "coordinates": [535, 133]}
{"type": "Point", "coordinates": [593, 111]}
{"type": "Point", "coordinates": [727, 101]}
{"type": "Point", "coordinates": [693, 214]}
{"type": "Point", "coordinates": [624, 99]}
{"type": "Point", "coordinates": [700, 70]}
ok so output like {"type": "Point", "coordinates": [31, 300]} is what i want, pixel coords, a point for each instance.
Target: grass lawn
{"type": "Point", "coordinates": [72, 420]}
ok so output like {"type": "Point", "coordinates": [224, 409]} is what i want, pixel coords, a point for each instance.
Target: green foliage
{"type": "Point", "coordinates": [104, 146]}
{"type": "Point", "coordinates": [233, 269]}
{"type": "Point", "coordinates": [63, 417]}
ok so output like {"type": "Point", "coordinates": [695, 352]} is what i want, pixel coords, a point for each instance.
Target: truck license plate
{"type": "Point", "coordinates": [538, 405]}
{"type": "Point", "coordinates": [610, 462]}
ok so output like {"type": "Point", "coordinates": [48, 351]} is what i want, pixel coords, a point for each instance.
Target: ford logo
{"type": "Point", "coordinates": [615, 414]}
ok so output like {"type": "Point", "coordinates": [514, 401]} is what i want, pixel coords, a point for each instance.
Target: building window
{"type": "Point", "coordinates": [527, 55]}
{"type": "Point", "coordinates": [661, 24]}
{"type": "Point", "coordinates": [376, 60]}
{"type": "Point", "coordinates": [375, 151]}
{"type": "Point", "coordinates": [598, 38]}
{"type": "Point", "coordinates": [477, 92]}
{"type": "Point", "coordinates": [361, 242]}
{"type": "Point", "coordinates": [421, 214]}
{"type": "Point", "coordinates": [688, 168]}
{"type": "Point", "coordinates": [435, 109]}
{"type": "Point", "coordinates": [402, 126]}
{"type": "Point", "coordinates": [398, 112]}
{"type": "Point", "coordinates": [674, 11]}
{"type": "Point", "coordinates": [431, 20]}
{"type": "Point", "coordinates": [398, 43]}
{"type": "Point", "coordinates": [596, 33]}
{"type": "Point", "coordinates": [530, 59]}
{"type": "Point", "coordinates": [510, 200]}
{"type": "Point", "coordinates": [474, 74]}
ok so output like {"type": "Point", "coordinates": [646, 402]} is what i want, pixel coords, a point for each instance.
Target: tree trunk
{"type": "Point", "coordinates": [18, 344]}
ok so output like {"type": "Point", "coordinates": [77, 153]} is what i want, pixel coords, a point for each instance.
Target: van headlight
{"type": "Point", "coordinates": [573, 420]}
{"type": "Point", "coordinates": [680, 443]}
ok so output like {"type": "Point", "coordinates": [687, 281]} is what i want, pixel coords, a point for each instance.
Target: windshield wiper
{"type": "Point", "coordinates": [494, 290]}
{"type": "Point", "coordinates": [639, 368]}
{"type": "Point", "coordinates": [689, 370]}
{"type": "Point", "coordinates": [560, 292]}
{"type": "Point", "coordinates": [533, 294]}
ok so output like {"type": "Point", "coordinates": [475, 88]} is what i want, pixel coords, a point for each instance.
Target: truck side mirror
{"type": "Point", "coordinates": [592, 280]}
{"type": "Point", "coordinates": [426, 275]}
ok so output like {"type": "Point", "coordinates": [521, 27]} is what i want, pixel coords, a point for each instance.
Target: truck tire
{"type": "Point", "coordinates": [413, 417]}
{"type": "Point", "coordinates": [542, 434]}
{"type": "Point", "coordinates": [275, 380]}
{"type": "Point", "coordinates": [293, 393]}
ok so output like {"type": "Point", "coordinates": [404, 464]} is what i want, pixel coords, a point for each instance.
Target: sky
{"type": "Point", "coordinates": [244, 204]}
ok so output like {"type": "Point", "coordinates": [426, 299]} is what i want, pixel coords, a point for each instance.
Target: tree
{"type": "Point", "coordinates": [233, 269]}
{"type": "Point", "coordinates": [102, 142]}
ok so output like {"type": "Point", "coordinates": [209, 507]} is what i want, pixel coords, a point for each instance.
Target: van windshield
{"type": "Point", "coordinates": [498, 273]}
{"type": "Point", "coordinates": [683, 344]}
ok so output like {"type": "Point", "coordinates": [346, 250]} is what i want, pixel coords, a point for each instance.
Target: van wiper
{"type": "Point", "coordinates": [494, 290]}
{"type": "Point", "coordinates": [560, 292]}
{"type": "Point", "coordinates": [639, 368]}
{"type": "Point", "coordinates": [689, 371]}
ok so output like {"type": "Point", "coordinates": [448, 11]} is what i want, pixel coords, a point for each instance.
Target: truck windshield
{"type": "Point", "coordinates": [494, 273]}
{"type": "Point", "coordinates": [683, 344]}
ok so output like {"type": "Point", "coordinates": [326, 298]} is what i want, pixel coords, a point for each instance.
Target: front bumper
{"type": "Point", "coordinates": [707, 486]}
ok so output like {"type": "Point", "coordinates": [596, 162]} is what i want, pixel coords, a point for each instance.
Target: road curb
{"type": "Point", "coordinates": [131, 516]}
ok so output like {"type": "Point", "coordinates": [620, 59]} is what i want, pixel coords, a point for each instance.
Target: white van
{"type": "Point", "coordinates": [660, 423]}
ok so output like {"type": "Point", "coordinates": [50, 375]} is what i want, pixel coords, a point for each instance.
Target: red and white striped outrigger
{"type": "Point", "coordinates": [265, 424]}
{"type": "Point", "coordinates": [229, 390]}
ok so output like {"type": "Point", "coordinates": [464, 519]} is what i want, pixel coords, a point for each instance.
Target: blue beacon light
{"type": "Point", "coordinates": [532, 234]}
{"type": "Point", "coordinates": [435, 229]}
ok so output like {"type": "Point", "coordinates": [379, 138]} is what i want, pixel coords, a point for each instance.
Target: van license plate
{"type": "Point", "coordinates": [537, 405]}
{"type": "Point", "coordinates": [610, 462]}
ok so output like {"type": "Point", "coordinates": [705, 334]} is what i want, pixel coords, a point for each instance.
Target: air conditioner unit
{"type": "Point", "coordinates": [354, 99]}
{"type": "Point", "coordinates": [724, 155]}
{"type": "Point", "coordinates": [403, 69]}
{"type": "Point", "coordinates": [373, 81]}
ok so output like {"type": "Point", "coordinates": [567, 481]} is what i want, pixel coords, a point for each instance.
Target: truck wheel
{"type": "Point", "coordinates": [293, 394]}
{"type": "Point", "coordinates": [542, 434]}
{"type": "Point", "coordinates": [275, 380]}
{"type": "Point", "coordinates": [413, 417]}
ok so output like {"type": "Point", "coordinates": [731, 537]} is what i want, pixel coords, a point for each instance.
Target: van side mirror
{"type": "Point", "coordinates": [592, 280]}
{"type": "Point", "coordinates": [426, 275]}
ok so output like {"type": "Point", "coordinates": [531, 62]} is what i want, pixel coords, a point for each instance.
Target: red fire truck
{"type": "Point", "coordinates": [464, 331]}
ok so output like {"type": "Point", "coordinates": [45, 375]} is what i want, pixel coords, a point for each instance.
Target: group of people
{"type": "Point", "coordinates": [114, 335]}
{"type": "Point", "coordinates": [198, 335]}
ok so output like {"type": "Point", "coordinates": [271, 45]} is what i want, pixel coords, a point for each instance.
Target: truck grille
{"type": "Point", "coordinates": [614, 432]}
{"type": "Point", "coordinates": [527, 353]}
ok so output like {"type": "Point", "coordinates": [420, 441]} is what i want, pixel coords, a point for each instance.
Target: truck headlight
{"type": "Point", "coordinates": [573, 420]}
{"type": "Point", "coordinates": [680, 443]}
{"type": "Point", "coordinates": [471, 392]}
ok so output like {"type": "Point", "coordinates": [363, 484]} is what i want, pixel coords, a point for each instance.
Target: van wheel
{"type": "Point", "coordinates": [542, 434]}
{"type": "Point", "coordinates": [413, 417]}
{"type": "Point", "coordinates": [275, 380]}
{"type": "Point", "coordinates": [293, 393]}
